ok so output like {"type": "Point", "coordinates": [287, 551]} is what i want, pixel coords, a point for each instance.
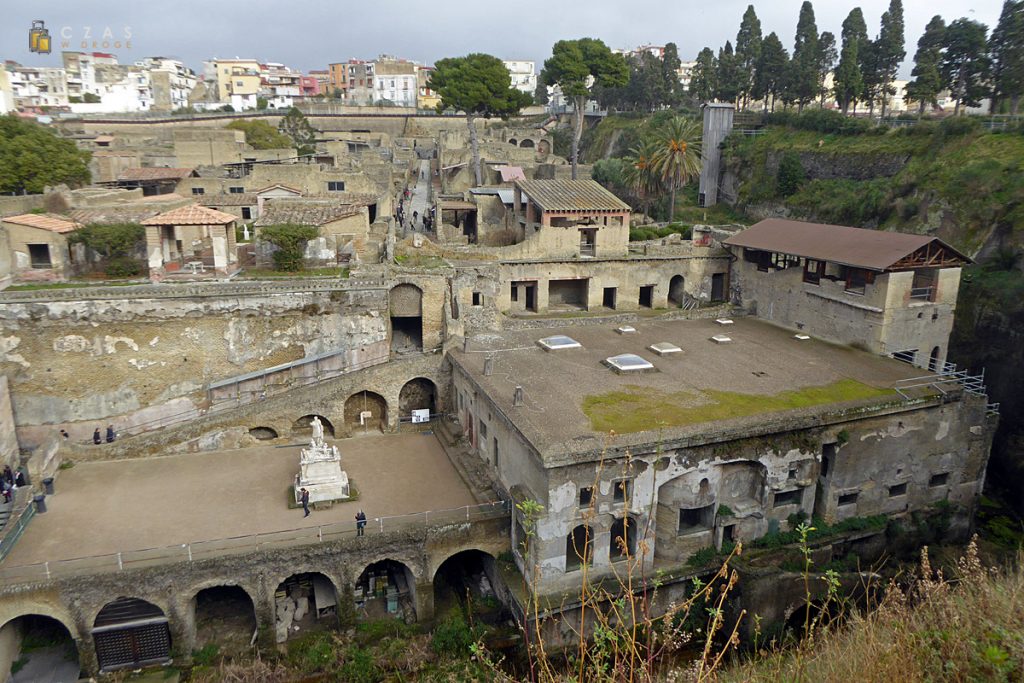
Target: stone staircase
{"type": "Point", "coordinates": [471, 469]}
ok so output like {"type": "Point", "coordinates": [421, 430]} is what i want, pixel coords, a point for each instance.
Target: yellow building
{"type": "Point", "coordinates": [425, 97]}
{"type": "Point", "coordinates": [235, 77]}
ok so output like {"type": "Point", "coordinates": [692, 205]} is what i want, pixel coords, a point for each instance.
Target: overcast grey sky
{"type": "Point", "coordinates": [308, 34]}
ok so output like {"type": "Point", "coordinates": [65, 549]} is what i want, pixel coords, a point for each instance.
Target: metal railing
{"type": "Point", "coordinates": [21, 515]}
{"type": "Point", "coordinates": [946, 378]}
{"type": "Point", "coordinates": [205, 550]}
{"type": "Point", "coordinates": [922, 293]}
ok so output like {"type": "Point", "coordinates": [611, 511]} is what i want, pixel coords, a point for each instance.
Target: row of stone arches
{"type": "Point", "coordinates": [131, 632]}
{"type": "Point", "coordinates": [541, 145]}
{"type": "Point", "coordinates": [363, 411]}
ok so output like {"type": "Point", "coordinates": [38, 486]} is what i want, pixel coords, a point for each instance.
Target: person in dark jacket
{"type": "Point", "coordinates": [96, 438]}
{"type": "Point", "coordinates": [111, 435]}
{"type": "Point", "coordinates": [360, 522]}
{"type": "Point", "coordinates": [305, 501]}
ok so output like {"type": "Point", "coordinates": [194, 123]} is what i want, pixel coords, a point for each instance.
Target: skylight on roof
{"type": "Point", "coordinates": [629, 362]}
{"type": "Point", "coordinates": [664, 348]}
{"type": "Point", "coordinates": [559, 342]}
{"type": "Point", "coordinates": [721, 339]}
{"type": "Point", "coordinates": [626, 329]}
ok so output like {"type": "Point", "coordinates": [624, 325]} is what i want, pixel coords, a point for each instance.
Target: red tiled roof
{"type": "Point", "coordinates": [44, 222]}
{"type": "Point", "coordinates": [190, 215]}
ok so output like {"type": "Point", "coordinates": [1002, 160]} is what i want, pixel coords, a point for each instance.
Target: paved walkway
{"type": "Point", "coordinates": [419, 199]}
{"type": "Point", "coordinates": [108, 507]}
{"type": "Point", "coordinates": [54, 664]}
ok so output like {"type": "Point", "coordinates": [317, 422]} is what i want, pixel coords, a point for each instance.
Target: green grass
{"type": "Point", "coordinates": [73, 285]}
{"type": "Point", "coordinates": [269, 273]}
{"type": "Point", "coordinates": [638, 409]}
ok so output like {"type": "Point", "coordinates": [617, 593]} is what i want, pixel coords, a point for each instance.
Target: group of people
{"type": "Point", "coordinates": [97, 438]}
{"type": "Point", "coordinates": [9, 481]}
{"type": "Point", "coordinates": [360, 516]}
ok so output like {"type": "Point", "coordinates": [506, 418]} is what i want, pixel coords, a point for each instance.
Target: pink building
{"type": "Point", "coordinates": [310, 85]}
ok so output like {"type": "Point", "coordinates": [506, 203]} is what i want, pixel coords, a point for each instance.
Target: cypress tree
{"type": "Point", "coordinates": [927, 82]}
{"type": "Point", "coordinates": [890, 50]}
{"type": "Point", "coordinates": [803, 85]}
{"type": "Point", "coordinates": [704, 78]}
{"type": "Point", "coordinates": [748, 53]}
{"type": "Point", "coordinates": [965, 62]}
{"type": "Point", "coordinates": [728, 75]}
{"type": "Point", "coordinates": [770, 72]}
{"type": "Point", "coordinates": [1006, 48]}
{"type": "Point", "coordinates": [849, 82]}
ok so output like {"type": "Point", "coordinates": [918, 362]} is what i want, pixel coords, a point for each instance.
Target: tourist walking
{"type": "Point", "coordinates": [96, 438]}
{"type": "Point", "coordinates": [8, 475]}
{"type": "Point", "coordinates": [305, 501]}
{"type": "Point", "coordinates": [111, 435]}
{"type": "Point", "coordinates": [19, 478]}
{"type": "Point", "coordinates": [64, 434]}
{"type": "Point", "coordinates": [360, 522]}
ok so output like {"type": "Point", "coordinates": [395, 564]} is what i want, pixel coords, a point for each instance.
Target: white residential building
{"type": "Point", "coordinates": [279, 85]}
{"type": "Point", "coordinates": [33, 86]}
{"type": "Point", "coordinates": [6, 94]}
{"type": "Point", "coordinates": [172, 82]}
{"type": "Point", "coordinates": [395, 81]}
{"type": "Point", "coordinates": [685, 73]}
{"type": "Point", "coordinates": [523, 74]}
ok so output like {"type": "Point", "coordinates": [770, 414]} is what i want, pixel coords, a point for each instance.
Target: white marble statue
{"type": "Point", "coordinates": [320, 470]}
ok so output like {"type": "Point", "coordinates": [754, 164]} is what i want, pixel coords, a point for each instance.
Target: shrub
{"type": "Point", "coordinates": [453, 637]}
{"type": "Point", "coordinates": [791, 174]}
{"type": "Point", "coordinates": [207, 655]}
{"type": "Point", "coordinates": [359, 667]}
{"type": "Point", "coordinates": [312, 653]}
{"type": "Point", "coordinates": [123, 266]}
{"type": "Point", "coordinates": [959, 125]}
{"type": "Point", "coordinates": [111, 240]}
{"type": "Point", "coordinates": [290, 240]}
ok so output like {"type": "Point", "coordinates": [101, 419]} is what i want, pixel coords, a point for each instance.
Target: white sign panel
{"type": "Point", "coordinates": [421, 415]}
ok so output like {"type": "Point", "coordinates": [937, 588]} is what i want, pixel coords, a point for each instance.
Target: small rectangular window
{"type": "Point", "coordinates": [848, 498]}
{"type": "Point", "coordinates": [246, 213]}
{"type": "Point", "coordinates": [39, 255]}
{"type": "Point", "coordinates": [478, 299]}
{"type": "Point", "coordinates": [335, 186]}
{"type": "Point", "coordinates": [198, 190]}
{"type": "Point", "coordinates": [939, 480]}
{"type": "Point", "coordinates": [586, 496]}
{"type": "Point", "coordinates": [483, 435]}
{"type": "Point", "coordinates": [236, 190]}
{"type": "Point", "coordinates": [788, 498]}
{"type": "Point", "coordinates": [621, 490]}
{"type": "Point", "coordinates": [813, 270]}
{"type": "Point", "coordinates": [897, 490]}
{"type": "Point", "coordinates": [515, 292]}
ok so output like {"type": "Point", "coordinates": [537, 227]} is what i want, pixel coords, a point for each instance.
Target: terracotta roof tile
{"type": "Point", "coordinates": [50, 222]}
{"type": "Point", "coordinates": [190, 215]}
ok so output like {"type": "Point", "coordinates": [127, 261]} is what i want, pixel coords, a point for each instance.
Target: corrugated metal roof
{"type": "Point", "coordinates": [49, 222]}
{"type": "Point", "coordinates": [858, 247]}
{"type": "Point", "coordinates": [191, 215]}
{"type": "Point", "coordinates": [571, 195]}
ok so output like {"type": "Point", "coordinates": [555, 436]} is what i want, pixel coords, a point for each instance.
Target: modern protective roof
{"type": "Point", "coordinates": [305, 214]}
{"type": "Point", "coordinates": [191, 215]}
{"type": "Point", "coordinates": [858, 247]}
{"type": "Point", "coordinates": [140, 174]}
{"type": "Point", "coordinates": [571, 195]}
{"type": "Point", "coordinates": [228, 199]}
{"type": "Point", "coordinates": [49, 222]}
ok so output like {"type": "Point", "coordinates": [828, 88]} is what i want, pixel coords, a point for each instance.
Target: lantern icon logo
{"type": "Point", "coordinates": [39, 37]}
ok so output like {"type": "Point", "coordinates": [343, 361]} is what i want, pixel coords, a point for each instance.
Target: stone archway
{"type": "Point", "coordinates": [366, 411]}
{"type": "Point", "coordinates": [418, 393]}
{"type": "Point", "coordinates": [513, 142]}
{"type": "Point", "coordinates": [386, 588]}
{"type": "Point", "coordinates": [130, 632]}
{"type": "Point", "coordinates": [544, 147]}
{"type": "Point", "coordinates": [465, 581]}
{"type": "Point", "coordinates": [304, 426]}
{"type": "Point", "coordinates": [225, 616]}
{"type": "Point", "coordinates": [677, 291]}
{"type": "Point", "coordinates": [53, 654]}
{"type": "Point", "coordinates": [527, 143]}
{"type": "Point", "coordinates": [304, 602]}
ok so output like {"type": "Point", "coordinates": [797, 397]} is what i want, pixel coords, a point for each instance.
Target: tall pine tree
{"type": "Point", "coordinates": [803, 81]}
{"type": "Point", "coordinates": [965, 62]}
{"type": "Point", "coordinates": [848, 82]}
{"type": "Point", "coordinates": [728, 75]}
{"type": "Point", "coordinates": [770, 73]}
{"type": "Point", "coordinates": [826, 60]}
{"type": "Point", "coordinates": [670, 64]}
{"type": "Point", "coordinates": [748, 52]}
{"type": "Point", "coordinates": [890, 50]}
{"type": "Point", "coordinates": [1006, 48]}
{"type": "Point", "coordinates": [704, 77]}
{"type": "Point", "coordinates": [927, 77]}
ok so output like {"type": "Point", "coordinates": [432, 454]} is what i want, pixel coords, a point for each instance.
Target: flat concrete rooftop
{"type": "Point", "coordinates": [117, 506]}
{"type": "Point", "coordinates": [572, 400]}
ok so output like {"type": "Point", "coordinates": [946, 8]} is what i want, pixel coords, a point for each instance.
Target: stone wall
{"type": "Point", "coordinates": [8, 439]}
{"type": "Point", "coordinates": [77, 362]}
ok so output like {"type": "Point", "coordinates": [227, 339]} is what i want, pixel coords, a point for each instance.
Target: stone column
{"type": "Point", "coordinates": [424, 602]}
{"type": "Point", "coordinates": [155, 252]}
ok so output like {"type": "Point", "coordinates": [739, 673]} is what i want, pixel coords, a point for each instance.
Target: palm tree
{"type": "Point", "coordinates": [641, 173]}
{"type": "Point", "coordinates": [678, 157]}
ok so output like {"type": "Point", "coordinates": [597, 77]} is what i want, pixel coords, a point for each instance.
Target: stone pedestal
{"type": "Point", "coordinates": [320, 470]}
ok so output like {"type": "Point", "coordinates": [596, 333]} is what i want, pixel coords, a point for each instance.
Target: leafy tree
{"type": "Point", "coordinates": [672, 89]}
{"type": "Point", "coordinates": [748, 53]}
{"type": "Point", "coordinates": [848, 80]}
{"type": "Point", "coordinates": [116, 242]}
{"type": "Point", "coordinates": [927, 78]}
{"type": "Point", "coordinates": [91, 98]}
{"type": "Point", "coordinates": [826, 60]}
{"type": "Point", "coordinates": [540, 95]}
{"type": "Point", "coordinates": [571, 66]}
{"type": "Point", "coordinates": [871, 89]}
{"type": "Point", "coordinates": [704, 77]}
{"type": "Point", "coordinates": [729, 80]}
{"type": "Point", "coordinates": [478, 85]}
{"type": "Point", "coordinates": [298, 128]}
{"type": "Point", "coordinates": [803, 85]}
{"type": "Point", "coordinates": [261, 135]}
{"type": "Point", "coordinates": [678, 158]}
{"type": "Point", "coordinates": [33, 157]}
{"type": "Point", "coordinates": [641, 173]}
{"type": "Point", "coordinates": [1007, 51]}
{"type": "Point", "coordinates": [261, 103]}
{"type": "Point", "coordinates": [769, 76]}
{"type": "Point", "coordinates": [290, 240]}
{"type": "Point", "coordinates": [965, 62]}
{"type": "Point", "coordinates": [890, 49]}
